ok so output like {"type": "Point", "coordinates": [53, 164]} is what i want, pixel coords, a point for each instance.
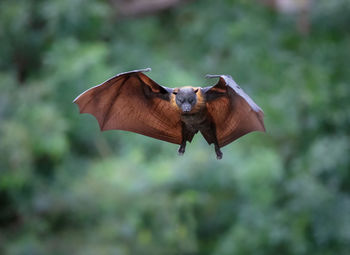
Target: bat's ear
{"type": "Point", "coordinates": [196, 90]}
{"type": "Point", "coordinates": [175, 91]}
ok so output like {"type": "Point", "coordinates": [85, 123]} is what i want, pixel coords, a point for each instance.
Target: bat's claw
{"type": "Point", "coordinates": [181, 150]}
{"type": "Point", "coordinates": [218, 153]}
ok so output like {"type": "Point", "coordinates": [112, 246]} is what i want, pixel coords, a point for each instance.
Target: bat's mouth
{"type": "Point", "coordinates": [186, 108]}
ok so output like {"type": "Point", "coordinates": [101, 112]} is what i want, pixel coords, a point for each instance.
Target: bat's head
{"type": "Point", "coordinates": [186, 98]}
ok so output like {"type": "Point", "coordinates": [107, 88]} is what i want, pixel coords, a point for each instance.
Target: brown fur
{"type": "Point", "coordinates": [173, 103]}
{"type": "Point", "coordinates": [200, 101]}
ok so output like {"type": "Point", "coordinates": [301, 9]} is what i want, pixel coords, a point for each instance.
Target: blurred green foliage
{"type": "Point", "coordinates": [66, 188]}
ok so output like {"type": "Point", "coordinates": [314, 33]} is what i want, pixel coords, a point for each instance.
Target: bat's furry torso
{"type": "Point", "coordinates": [195, 118]}
{"type": "Point", "coordinates": [199, 121]}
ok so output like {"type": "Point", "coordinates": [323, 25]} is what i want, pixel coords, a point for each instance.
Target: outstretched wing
{"type": "Point", "coordinates": [232, 110]}
{"type": "Point", "coordinates": [133, 102]}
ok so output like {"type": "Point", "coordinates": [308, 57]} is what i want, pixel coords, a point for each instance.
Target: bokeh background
{"type": "Point", "coordinates": [67, 188]}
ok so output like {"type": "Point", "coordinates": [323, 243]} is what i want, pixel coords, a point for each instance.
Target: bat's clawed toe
{"type": "Point", "coordinates": [218, 152]}
{"type": "Point", "coordinates": [181, 150]}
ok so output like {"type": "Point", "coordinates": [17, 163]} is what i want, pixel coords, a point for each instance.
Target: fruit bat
{"type": "Point", "coordinates": [131, 101]}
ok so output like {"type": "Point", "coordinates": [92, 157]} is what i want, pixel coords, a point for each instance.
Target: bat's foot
{"type": "Point", "coordinates": [181, 150]}
{"type": "Point", "coordinates": [218, 153]}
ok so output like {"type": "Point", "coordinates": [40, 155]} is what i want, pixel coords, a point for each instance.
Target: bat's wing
{"type": "Point", "coordinates": [232, 110]}
{"type": "Point", "coordinates": [133, 102]}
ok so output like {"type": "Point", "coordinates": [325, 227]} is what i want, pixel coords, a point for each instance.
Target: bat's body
{"type": "Point", "coordinates": [195, 118]}
{"type": "Point", "coordinates": [132, 101]}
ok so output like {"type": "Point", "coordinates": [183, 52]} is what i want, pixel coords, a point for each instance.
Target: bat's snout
{"type": "Point", "coordinates": [186, 107]}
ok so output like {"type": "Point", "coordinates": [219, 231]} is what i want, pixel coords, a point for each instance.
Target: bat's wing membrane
{"type": "Point", "coordinates": [131, 101]}
{"type": "Point", "coordinates": [232, 110]}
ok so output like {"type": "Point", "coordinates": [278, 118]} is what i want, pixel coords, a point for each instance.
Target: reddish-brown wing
{"type": "Point", "coordinates": [232, 110]}
{"type": "Point", "coordinates": [133, 102]}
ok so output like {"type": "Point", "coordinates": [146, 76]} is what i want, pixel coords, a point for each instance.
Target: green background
{"type": "Point", "coordinates": [67, 188]}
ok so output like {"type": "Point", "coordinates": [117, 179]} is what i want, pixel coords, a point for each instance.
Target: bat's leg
{"type": "Point", "coordinates": [218, 151]}
{"type": "Point", "coordinates": [182, 148]}
{"type": "Point", "coordinates": [209, 133]}
{"type": "Point", "coordinates": [187, 135]}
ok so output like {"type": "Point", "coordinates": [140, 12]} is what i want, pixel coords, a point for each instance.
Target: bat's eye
{"type": "Point", "coordinates": [180, 100]}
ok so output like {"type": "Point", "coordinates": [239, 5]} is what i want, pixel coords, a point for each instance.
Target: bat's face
{"type": "Point", "coordinates": [186, 98]}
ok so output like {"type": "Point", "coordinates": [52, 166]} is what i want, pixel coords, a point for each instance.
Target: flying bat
{"type": "Point", "coordinates": [131, 101]}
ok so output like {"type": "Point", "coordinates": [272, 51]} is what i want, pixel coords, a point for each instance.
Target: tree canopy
{"type": "Point", "coordinates": [66, 188]}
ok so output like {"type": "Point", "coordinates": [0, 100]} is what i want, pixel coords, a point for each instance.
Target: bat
{"type": "Point", "coordinates": [131, 101]}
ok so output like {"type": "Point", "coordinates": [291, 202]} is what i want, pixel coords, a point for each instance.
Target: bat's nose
{"type": "Point", "coordinates": [186, 107]}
